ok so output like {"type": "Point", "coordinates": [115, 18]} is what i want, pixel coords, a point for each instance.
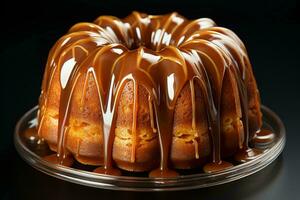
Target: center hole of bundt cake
{"type": "Point", "coordinates": [155, 40]}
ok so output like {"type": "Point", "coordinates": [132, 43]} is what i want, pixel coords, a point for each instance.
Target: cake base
{"type": "Point", "coordinates": [33, 151]}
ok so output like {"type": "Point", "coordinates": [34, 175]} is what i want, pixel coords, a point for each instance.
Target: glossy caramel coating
{"type": "Point", "coordinates": [149, 92]}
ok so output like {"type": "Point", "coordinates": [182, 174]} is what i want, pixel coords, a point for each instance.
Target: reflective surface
{"type": "Point", "coordinates": [30, 150]}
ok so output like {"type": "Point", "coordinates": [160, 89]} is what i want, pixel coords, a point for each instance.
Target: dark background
{"type": "Point", "coordinates": [269, 29]}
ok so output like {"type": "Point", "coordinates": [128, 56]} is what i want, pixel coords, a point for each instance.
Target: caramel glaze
{"type": "Point", "coordinates": [162, 53]}
{"type": "Point", "coordinates": [264, 136]}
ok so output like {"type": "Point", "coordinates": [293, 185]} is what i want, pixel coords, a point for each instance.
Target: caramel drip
{"type": "Point", "coordinates": [161, 53]}
{"type": "Point", "coordinates": [82, 101]}
{"type": "Point", "coordinates": [235, 57]}
{"type": "Point", "coordinates": [78, 147]}
{"type": "Point", "coordinates": [150, 102]}
{"type": "Point", "coordinates": [134, 121]}
{"type": "Point", "coordinates": [264, 136]}
{"type": "Point", "coordinates": [196, 136]}
{"type": "Point", "coordinates": [192, 87]}
{"type": "Point", "coordinates": [213, 70]}
{"type": "Point", "coordinates": [108, 96]}
{"type": "Point", "coordinates": [64, 109]}
{"type": "Point", "coordinates": [41, 118]}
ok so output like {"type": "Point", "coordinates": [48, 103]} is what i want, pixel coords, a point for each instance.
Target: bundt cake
{"type": "Point", "coordinates": [149, 93]}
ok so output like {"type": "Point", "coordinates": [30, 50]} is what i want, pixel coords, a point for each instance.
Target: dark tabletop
{"type": "Point", "coordinates": [270, 31]}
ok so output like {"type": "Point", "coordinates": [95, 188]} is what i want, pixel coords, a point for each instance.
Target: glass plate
{"type": "Point", "coordinates": [29, 151]}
